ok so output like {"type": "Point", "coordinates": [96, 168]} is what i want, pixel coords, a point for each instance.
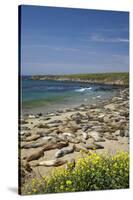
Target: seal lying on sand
{"type": "Point", "coordinates": [55, 146]}
{"type": "Point", "coordinates": [64, 151]}
{"type": "Point", "coordinates": [85, 135]}
{"type": "Point", "coordinates": [44, 133]}
{"type": "Point", "coordinates": [73, 140]}
{"type": "Point", "coordinates": [81, 148]}
{"type": "Point", "coordinates": [50, 163]}
{"type": "Point", "coordinates": [70, 139]}
{"type": "Point", "coordinates": [33, 145]}
{"type": "Point", "coordinates": [35, 156]}
{"type": "Point", "coordinates": [111, 137]}
{"type": "Point", "coordinates": [68, 134]}
{"type": "Point", "coordinates": [32, 138]}
{"type": "Point", "coordinates": [96, 136]}
{"type": "Point", "coordinates": [93, 146]}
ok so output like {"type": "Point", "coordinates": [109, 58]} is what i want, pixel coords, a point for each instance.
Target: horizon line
{"type": "Point", "coordinates": [72, 73]}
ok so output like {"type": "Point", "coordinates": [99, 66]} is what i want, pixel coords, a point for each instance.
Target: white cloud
{"type": "Point", "coordinates": [100, 38]}
{"type": "Point", "coordinates": [97, 38]}
{"type": "Point", "coordinates": [54, 48]}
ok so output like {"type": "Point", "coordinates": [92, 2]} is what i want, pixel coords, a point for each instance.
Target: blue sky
{"type": "Point", "coordinates": [65, 41]}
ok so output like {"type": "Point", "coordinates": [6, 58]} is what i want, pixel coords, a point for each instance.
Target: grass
{"type": "Point", "coordinates": [92, 172]}
{"type": "Point", "coordinates": [100, 76]}
{"type": "Point", "coordinates": [97, 77]}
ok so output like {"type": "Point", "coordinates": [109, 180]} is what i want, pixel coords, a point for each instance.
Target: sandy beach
{"type": "Point", "coordinates": [101, 127]}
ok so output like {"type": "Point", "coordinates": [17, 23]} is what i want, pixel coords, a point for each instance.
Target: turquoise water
{"type": "Point", "coordinates": [50, 93]}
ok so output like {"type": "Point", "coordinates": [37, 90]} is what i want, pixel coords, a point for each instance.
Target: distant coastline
{"type": "Point", "coordinates": [118, 79]}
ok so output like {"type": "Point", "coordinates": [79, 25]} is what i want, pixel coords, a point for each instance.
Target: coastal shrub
{"type": "Point", "coordinates": [92, 172]}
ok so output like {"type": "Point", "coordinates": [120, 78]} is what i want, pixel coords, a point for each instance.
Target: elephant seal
{"type": "Point", "coordinates": [47, 138]}
{"type": "Point", "coordinates": [35, 156]}
{"type": "Point", "coordinates": [68, 134]}
{"type": "Point", "coordinates": [55, 146]}
{"type": "Point", "coordinates": [111, 137]}
{"type": "Point", "coordinates": [85, 135]}
{"type": "Point", "coordinates": [64, 151]}
{"type": "Point", "coordinates": [44, 133]}
{"type": "Point", "coordinates": [93, 146]}
{"type": "Point", "coordinates": [33, 145]}
{"type": "Point", "coordinates": [81, 148]}
{"type": "Point", "coordinates": [73, 140]}
{"type": "Point", "coordinates": [51, 163]}
{"type": "Point", "coordinates": [32, 138]}
{"type": "Point", "coordinates": [96, 136]}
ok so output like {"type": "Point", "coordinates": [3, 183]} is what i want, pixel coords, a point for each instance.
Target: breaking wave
{"type": "Point", "coordinates": [83, 89]}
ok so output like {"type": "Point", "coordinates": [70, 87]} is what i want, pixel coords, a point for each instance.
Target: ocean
{"type": "Point", "coordinates": [49, 95]}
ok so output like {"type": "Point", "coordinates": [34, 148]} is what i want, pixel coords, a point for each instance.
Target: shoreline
{"type": "Point", "coordinates": [71, 103]}
{"type": "Point", "coordinates": [104, 125]}
{"type": "Point", "coordinates": [59, 106]}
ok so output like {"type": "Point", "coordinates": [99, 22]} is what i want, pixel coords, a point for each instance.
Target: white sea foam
{"type": "Point", "coordinates": [83, 89]}
{"type": "Point", "coordinates": [99, 96]}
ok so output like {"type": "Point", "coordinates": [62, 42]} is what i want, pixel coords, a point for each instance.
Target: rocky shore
{"type": "Point", "coordinates": [116, 79]}
{"type": "Point", "coordinates": [57, 138]}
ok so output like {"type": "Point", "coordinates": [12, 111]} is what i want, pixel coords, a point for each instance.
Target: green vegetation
{"type": "Point", "coordinates": [111, 78]}
{"type": "Point", "coordinates": [92, 172]}
{"type": "Point", "coordinates": [101, 76]}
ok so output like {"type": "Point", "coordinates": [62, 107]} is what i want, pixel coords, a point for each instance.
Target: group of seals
{"type": "Point", "coordinates": [40, 153]}
{"type": "Point", "coordinates": [73, 133]}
